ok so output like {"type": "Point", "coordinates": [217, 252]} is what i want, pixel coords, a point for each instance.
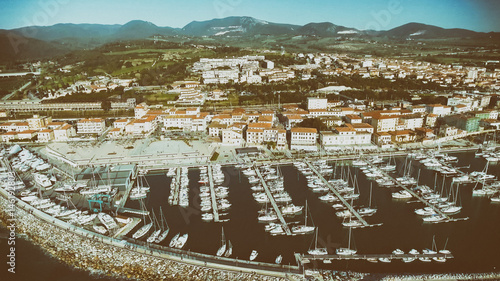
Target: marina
{"type": "Point", "coordinates": [293, 184]}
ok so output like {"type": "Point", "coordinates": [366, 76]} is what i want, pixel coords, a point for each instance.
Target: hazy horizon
{"type": "Point", "coordinates": [477, 15]}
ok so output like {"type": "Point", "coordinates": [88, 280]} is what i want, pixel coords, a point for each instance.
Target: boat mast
{"type": "Point", "coordinates": [349, 244]}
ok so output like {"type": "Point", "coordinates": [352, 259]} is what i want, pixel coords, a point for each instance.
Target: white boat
{"type": "Point", "coordinates": [100, 229]}
{"type": "Point", "coordinates": [414, 252]}
{"type": "Point", "coordinates": [291, 209]}
{"type": "Point", "coordinates": [434, 218]}
{"type": "Point", "coordinates": [347, 251]}
{"type": "Point", "coordinates": [229, 250]}
{"type": "Point", "coordinates": [317, 251]}
{"type": "Point", "coordinates": [384, 260]}
{"type": "Point", "coordinates": [42, 180]}
{"type": "Point", "coordinates": [368, 211]}
{"type": "Point", "coordinates": [278, 259]}
{"type": "Point", "coordinates": [207, 217]}
{"type": "Point", "coordinates": [253, 255]}
{"type": "Point", "coordinates": [142, 231]}
{"type": "Point", "coordinates": [268, 217]}
{"type": "Point", "coordinates": [181, 241]}
{"type": "Point", "coordinates": [303, 229]}
{"type": "Point", "coordinates": [173, 242]}
{"type": "Point", "coordinates": [402, 194]}
{"type": "Point", "coordinates": [398, 252]}
{"type": "Point", "coordinates": [408, 259]}
{"type": "Point", "coordinates": [107, 221]}
{"type": "Point", "coordinates": [222, 248]}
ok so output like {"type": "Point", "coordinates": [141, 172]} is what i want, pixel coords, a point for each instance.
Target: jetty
{"type": "Point", "coordinates": [418, 197]}
{"type": "Point", "coordinates": [212, 195]}
{"type": "Point", "coordinates": [307, 258]}
{"type": "Point", "coordinates": [273, 203]}
{"type": "Point", "coordinates": [177, 186]}
{"type": "Point", "coordinates": [341, 198]}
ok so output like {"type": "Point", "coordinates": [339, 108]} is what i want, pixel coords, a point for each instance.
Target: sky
{"type": "Point", "coordinates": [478, 15]}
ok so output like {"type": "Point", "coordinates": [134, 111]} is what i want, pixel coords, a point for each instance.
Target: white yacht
{"type": "Point", "coordinates": [253, 255]}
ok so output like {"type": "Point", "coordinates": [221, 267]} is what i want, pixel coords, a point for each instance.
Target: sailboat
{"type": "Point", "coordinates": [317, 251]}
{"type": "Point", "coordinates": [454, 208]}
{"type": "Point", "coordinates": [222, 248]}
{"type": "Point", "coordinates": [368, 211]}
{"type": "Point", "coordinates": [164, 228]}
{"type": "Point", "coordinates": [388, 167]}
{"type": "Point", "coordinates": [145, 228]}
{"type": "Point", "coordinates": [152, 238]}
{"type": "Point", "coordinates": [347, 251]}
{"type": "Point", "coordinates": [229, 250]}
{"type": "Point", "coordinates": [303, 229]}
{"type": "Point", "coordinates": [444, 250]}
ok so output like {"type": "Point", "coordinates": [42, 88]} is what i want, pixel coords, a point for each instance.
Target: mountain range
{"type": "Point", "coordinates": [58, 38]}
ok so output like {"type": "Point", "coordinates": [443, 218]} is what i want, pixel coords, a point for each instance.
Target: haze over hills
{"type": "Point", "coordinates": [66, 37]}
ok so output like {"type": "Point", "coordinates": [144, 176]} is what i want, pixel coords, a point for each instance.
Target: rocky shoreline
{"type": "Point", "coordinates": [91, 255]}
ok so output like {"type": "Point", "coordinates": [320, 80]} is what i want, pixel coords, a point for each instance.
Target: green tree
{"type": "Point", "coordinates": [106, 105]}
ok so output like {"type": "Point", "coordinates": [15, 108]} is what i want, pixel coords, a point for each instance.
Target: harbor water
{"type": "Point", "coordinates": [473, 242]}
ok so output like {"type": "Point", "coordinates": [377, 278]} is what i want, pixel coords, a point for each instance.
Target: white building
{"type": "Point", "coordinates": [344, 136]}
{"type": "Point", "coordinates": [91, 126]}
{"type": "Point", "coordinates": [64, 133]}
{"type": "Point", "coordinates": [46, 135]}
{"type": "Point", "coordinates": [303, 139]}
{"type": "Point", "coordinates": [317, 103]}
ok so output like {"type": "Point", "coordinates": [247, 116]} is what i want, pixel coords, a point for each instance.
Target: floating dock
{"type": "Point", "coordinates": [273, 203]}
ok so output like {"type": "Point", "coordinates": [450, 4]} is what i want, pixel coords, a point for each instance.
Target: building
{"type": "Point", "coordinates": [412, 121]}
{"type": "Point", "coordinates": [215, 129]}
{"type": "Point", "coordinates": [465, 123]}
{"type": "Point", "coordinates": [317, 103]}
{"type": "Point", "coordinates": [9, 136]}
{"type": "Point", "coordinates": [28, 135]}
{"type": "Point", "coordinates": [303, 139]}
{"type": "Point", "coordinates": [91, 126]}
{"type": "Point", "coordinates": [403, 136]}
{"type": "Point", "coordinates": [382, 139]}
{"type": "Point", "coordinates": [233, 135]}
{"type": "Point", "coordinates": [275, 137]}
{"type": "Point", "coordinates": [64, 133]}
{"type": "Point", "coordinates": [431, 120]}
{"type": "Point", "coordinates": [46, 135]}
{"type": "Point", "coordinates": [384, 123]}
{"type": "Point", "coordinates": [38, 122]}
{"type": "Point", "coordinates": [438, 109]}
{"type": "Point", "coordinates": [344, 136]}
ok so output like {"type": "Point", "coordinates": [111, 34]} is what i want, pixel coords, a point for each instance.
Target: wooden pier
{"type": "Point", "coordinates": [212, 195]}
{"type": "Point", "coordinates": [341, 198]}
{"type": "Point", "coordinates": [273, 203]}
